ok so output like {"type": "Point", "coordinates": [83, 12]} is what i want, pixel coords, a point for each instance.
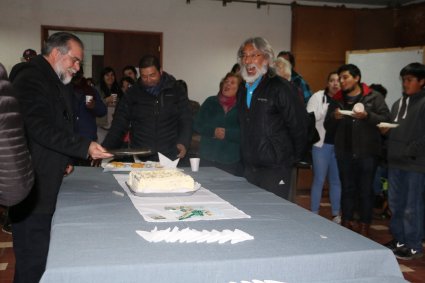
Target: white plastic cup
{"type": "Point", "coordinates": [194, 164]}
{"type": "Point", "coordinates": [114, 98]}
{"type": "Point", "coordinates": [89, 98]}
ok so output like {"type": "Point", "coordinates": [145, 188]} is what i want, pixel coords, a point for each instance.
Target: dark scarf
{"type": "Point", "coordinates": [155, 90]}
{"type": "Point", "coordinates": [226, 102]}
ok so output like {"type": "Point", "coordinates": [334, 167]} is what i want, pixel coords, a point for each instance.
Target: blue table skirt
{"type": "Point", "coordinates": [93, 239]}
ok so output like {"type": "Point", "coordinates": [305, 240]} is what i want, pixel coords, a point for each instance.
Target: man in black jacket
{"type": "Point", "coordinates": [353, 115]}
{"type": "Point", "coordinates": [45, 103]}
{"type": "Point", "coordinates": [272, 119]}
{"type": "Point", "coordinates": [406, 165]}
{"type": "Point", "coordinates": [156, 111]}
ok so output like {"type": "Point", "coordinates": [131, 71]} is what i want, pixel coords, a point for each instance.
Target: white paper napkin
{"type": "Point", "coordinates": [188, 235]}
{"type": "Point", "coordinates": [258, 281]}
{"type": "Point", "coordinates": [166, 162]}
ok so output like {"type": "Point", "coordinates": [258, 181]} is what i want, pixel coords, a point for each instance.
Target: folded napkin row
{"type": "Point", "coordinates": [188, 235]}
{"type": "Point", "coordinates": [258, 281]}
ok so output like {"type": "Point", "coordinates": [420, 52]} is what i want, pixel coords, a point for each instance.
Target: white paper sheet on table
{"type": "Point", "coordinates": [202, 205]}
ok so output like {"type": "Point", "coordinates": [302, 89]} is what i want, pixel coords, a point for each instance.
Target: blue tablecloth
{"type": "Point", "coordinates": [93, 239]}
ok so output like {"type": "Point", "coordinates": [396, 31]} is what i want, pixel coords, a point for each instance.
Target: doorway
{"type": "Point", "coordinates": [120, 48]}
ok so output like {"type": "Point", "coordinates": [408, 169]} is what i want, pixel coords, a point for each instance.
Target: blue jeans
{"type": "Point", "coordinates": [406, 201]}
{"type": "Point", "coordinates": [324, 163]}
{"type": "Point", "coordinates": [357, 174]}
{"type": "Point", "coordinates": [381, 172]}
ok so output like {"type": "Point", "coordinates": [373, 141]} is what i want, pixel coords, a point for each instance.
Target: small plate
{"type": "Point", "coordinates": [130, 151]}
{"type": "Point", "coordinates": [346, 112]}
{"type": "Point", "coordinates": [128, 166]}
{"type": "Point", "coordinates": [387, 125]}
{"type": "Point", "coordinates": [171, 194]}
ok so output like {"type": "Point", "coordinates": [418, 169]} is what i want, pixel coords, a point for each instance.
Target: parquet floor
{"type": "Point", "coordinates": [413, 271]}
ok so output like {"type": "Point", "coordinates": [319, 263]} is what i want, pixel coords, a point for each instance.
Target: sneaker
{"type": "Point", "coordinates": [337, 219]}
{"type": "Point", "coordinates": [7, 228]}
{"type": "Point", "coordinates": [394, 245]}
{"type": "Point", "coordinates": [407, 254]}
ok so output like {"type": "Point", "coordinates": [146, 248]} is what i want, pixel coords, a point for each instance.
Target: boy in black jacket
{"type": "Point", "coordinates": [406, 162]}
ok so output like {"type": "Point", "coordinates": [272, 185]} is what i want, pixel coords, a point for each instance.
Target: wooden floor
{"type": "Point", "coordinates": [413, 270]}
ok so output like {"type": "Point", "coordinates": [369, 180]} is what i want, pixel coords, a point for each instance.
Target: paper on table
{"type": "Point", "coordinates": [258, 281]}
{"type": "Point", "coordinates": [188, 235]}
{"type": "Point", "coordinates": [166, 162]}
{"type": "Point", "coordinates": [105, 162]}
{"type": "Point", "coordinates": [202, 205]}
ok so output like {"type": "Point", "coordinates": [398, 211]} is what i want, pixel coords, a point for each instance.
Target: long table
{"type": "Point", "coordinates": [93, 239]}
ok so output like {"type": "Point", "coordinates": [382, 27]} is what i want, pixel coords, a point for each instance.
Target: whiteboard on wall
{"type": "Point", "coordinates": [383, 66]}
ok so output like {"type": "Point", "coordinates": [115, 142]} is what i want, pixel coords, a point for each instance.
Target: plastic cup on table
{"type": "Point", "coordinates": [194, 164]}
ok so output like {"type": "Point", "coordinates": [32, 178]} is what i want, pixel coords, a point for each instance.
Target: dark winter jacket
{"type": "Point", "coordinates": [406, 143]}
{"type": "Point", "coordinates": [85, 119]}
{"type": "Point", "coordinates": [157, 122]}
{"type": "Point", "coordinates": [365, 139]}
{"type": "Point", "coordinates": [274, 128]}
{"type": "Point", "coordinates": [16, 174]}
{"type": "Point", "coordinates": [48, 118]}
{"type": "Point", "coordinates": [210, 117]}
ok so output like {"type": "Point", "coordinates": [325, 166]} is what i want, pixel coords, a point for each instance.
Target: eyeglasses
{"type": "Point", "coordinates": [250, 56]}
{"type": "Point", "coordinates": [75, 59]}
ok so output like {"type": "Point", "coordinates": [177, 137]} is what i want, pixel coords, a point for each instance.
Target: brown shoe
{"type": "Point", "coordinates": [364, 229]}
{"type": "Point", "coordinates": [352, 225]}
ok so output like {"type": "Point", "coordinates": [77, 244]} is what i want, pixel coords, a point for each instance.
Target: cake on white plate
{"type": "Point", "coordinates": [161, 181]}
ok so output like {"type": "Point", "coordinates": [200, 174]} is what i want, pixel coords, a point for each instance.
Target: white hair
{"type": "Point", "coordinates": [283, 68]}
{"type": "Point", "coordinates": [260, 44]}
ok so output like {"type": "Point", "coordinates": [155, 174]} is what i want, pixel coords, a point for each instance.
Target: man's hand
{"type": "Point", "coordinates": [96, 151]}
{"type": "Point", "coordinates": [90, 104]}
{"type": "Point", "coordinates": [338, 114]}
{"type": "Point", "coordinates": [219, 133]}
{"type": "Point", "coordinates": [68, 170]}
{"type": "Point", "coordinates": [182, 150]}
{"type": "Point", "coordinates": [360, 115]}
{"type": "Point", "coordinates": [383, 130]}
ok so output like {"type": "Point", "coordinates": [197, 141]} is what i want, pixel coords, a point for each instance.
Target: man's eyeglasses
{"type": "Point", "coordinates": [75, 59]}
{"type": "Point", "coordinates": [250, 56]}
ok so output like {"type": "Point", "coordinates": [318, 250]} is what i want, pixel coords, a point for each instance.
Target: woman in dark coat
{"type": "Point", "coordinates": [16, 175]}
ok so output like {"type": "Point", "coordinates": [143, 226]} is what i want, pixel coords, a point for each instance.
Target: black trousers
{"type": "Point", "coordinates": [357, 175]}
{"type": "Point", "coordinates": [274, 180]}
{"type": "Point", "coordinates": [31, 237]}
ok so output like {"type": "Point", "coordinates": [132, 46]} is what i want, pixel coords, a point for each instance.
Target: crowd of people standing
{"type": "Point", "coordinates": [256, 126]}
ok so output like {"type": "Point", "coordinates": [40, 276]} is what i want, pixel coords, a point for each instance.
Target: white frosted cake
{"type": "Point", "coordinates": [160, 181]}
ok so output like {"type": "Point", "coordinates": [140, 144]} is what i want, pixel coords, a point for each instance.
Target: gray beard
{"type": "Point", "coordinates": [259, 73]}
{"type": "Point", "coordinates": [64, 79]}
{"type": "Point", "coordinates": [62, 75]}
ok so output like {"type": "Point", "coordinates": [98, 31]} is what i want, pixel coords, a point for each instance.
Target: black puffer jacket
{"type": "Point", "coordinates": [16, 174]}
{"type": "Point", "coordinates": [274, 128]}
{"type": "Point", "coordinates": [366, 139]}
{"type": "Point", "coordinates": [155, 122]}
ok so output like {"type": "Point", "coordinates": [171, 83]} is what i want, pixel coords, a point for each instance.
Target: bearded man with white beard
{"type": "Point", "coordinates": [44, 99]}
{"type": "Point", "coordinates": [273, 120]}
